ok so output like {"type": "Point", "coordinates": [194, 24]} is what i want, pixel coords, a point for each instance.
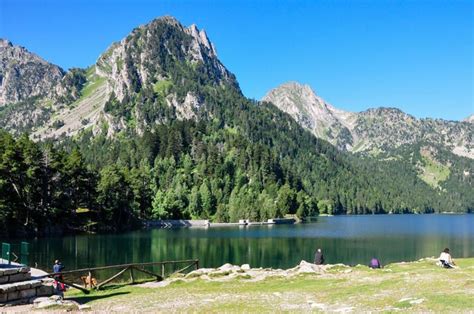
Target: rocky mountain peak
{"type": "Point", "coordinates": [168, 19]}
{"type": "Point", "coordinates": [5, 43]}
{"type": "Point", "coordinates": [469, 119]}
{"type": "Point", "coordinates": [23, 74]}
{"type": "Point", "coordinates": [312, 112]}
{"type": "Point", "coordinates": [143, 58]}
{"type": "Point", "coordinates": [296, 96]}
{"type": "Point", "coordinates": [201, 39]}
{"type": "Point", "coordinates": [371, 130]}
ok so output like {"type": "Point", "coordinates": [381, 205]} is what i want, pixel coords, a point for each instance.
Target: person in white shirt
{"type": "Point", "coordinates": [446, 260]}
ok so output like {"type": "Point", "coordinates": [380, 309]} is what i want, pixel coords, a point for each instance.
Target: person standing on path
{"type": "Point", "coordinates": [58, 278]}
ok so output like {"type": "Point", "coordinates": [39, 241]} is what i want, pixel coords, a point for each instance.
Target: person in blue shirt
{"type": "Point", "coordinates": [58, 278]}
{"type": "Point", "coordinates": [57, 267]}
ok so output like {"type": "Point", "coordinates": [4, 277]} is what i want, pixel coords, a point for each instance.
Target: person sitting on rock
{"type": "Point", "coordinates": [319, 257]}
{"type": "Point", "coordinates": [375, 263]}
{"type": "Point", "coordinates": [445, 259]}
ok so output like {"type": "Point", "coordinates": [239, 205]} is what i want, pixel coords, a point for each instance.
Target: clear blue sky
{"type": "Point", "coordinates": [414, 55]}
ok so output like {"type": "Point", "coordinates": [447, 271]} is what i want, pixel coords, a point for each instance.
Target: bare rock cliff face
{"type": "Point", "coordinates": [153, 74]}
{"type": "Point", "coordinates": [143, 58]}
{"type": "Point", "coordinates": [313, 113]}
{"type": "Point", "coordinates": [24, 74]}
{"type": "Point", "coordinates": [371, 130]}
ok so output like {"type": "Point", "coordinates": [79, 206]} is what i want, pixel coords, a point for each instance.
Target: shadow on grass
{"type": "Point", "coordinates": [89, 298]}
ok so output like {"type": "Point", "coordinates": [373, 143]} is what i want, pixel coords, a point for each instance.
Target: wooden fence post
{"type": "Point", "coordinates": [131, 275]}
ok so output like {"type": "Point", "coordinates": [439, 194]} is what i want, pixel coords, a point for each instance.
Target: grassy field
{"type": "Point", "coordinates": [418, 286]}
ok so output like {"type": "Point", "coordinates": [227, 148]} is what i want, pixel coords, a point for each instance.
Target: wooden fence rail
{"type": "Point", "coordinates": [140, 267]}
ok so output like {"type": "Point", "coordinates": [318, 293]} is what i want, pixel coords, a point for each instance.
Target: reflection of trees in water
{"type": "Point", "coordinates": [281, 247]}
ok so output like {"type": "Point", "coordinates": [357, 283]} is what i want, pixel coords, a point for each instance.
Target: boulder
{"type": "Point", "coordinates": [245, 267]}
{"type": "Point", "coordinates": [305, 268]}
{"type": "Point", "coordinates": [44, 290]}
{"type": "Point", "coordinates": [226, 266]}
{"type": "Point", "coordinates": [194, 274]}
{"type": "Point", "coordinates": [56, 297]}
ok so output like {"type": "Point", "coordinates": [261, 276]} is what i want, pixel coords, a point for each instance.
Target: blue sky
{"type": "Point", "coordinates": [414, 55]}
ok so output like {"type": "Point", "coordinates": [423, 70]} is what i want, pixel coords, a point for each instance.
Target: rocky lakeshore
{"type": "Point", "coordinates": [229, 272]}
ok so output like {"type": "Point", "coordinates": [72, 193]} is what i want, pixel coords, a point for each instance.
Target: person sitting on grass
{"type": "Point", "coordinates": [375, 263]}
{"type": "Point", "coordinates": [319, 257]}
{"type": "Point", "coordinates": [445, 259]}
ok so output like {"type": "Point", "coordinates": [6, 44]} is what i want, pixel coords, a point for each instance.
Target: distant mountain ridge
{"type": "Point", "coordinates": [378, 129]}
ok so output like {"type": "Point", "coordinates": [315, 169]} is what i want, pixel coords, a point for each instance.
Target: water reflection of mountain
{"type": "Point", "coordinates": [349, 240]}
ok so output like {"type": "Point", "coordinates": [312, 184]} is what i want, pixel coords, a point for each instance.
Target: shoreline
{"type": "Point", "coordinates": [416, 286]}
{"type": "Point", "coordinates": [205, 223]}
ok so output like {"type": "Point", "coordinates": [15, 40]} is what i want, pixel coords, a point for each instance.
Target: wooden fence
{"type": "Point", "coordinates": [90, 282]}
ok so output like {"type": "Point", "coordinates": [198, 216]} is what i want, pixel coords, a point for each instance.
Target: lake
{"type": "Point", "coordinates": [343, 239]}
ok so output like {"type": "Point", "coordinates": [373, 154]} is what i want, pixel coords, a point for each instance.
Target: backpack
{"type": "Point", "coordinates": [374, 263]}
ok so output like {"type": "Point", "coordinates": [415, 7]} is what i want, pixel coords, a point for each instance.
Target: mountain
{"type": "Point", "coordinates": [24, 74]}
{"type": "Point", "coordinates": [143, 62]}
{"type": "Point", "coordinates": [373, 130]}
{"type": "Point", "coordinates": [313, 113]}
{"type": "Point", "coordinates": [158, 128]}
{"type": "Point", "coordinates": [469, 119]}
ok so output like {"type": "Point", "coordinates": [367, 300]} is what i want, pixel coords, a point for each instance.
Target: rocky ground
{"type": "Point", "coordinates": [415, 287]}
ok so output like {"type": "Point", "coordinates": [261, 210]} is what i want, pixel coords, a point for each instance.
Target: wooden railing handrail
{"type": "Point", "coordinates": [194, 261]}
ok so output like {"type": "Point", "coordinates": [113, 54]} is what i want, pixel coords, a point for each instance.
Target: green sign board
{"type": "Point", "coordinates": [6, 256]}
{"type": "Point", "coordinates": [24, 252]}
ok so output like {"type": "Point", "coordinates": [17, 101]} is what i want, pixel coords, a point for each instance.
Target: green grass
{"type": "Point", "coordinates": [434, 172]}
{"type": "Point", "coordinates": [162, 88]}
{"type": "Point", "coordinates": [397, 287]}
{"type": "Point", "coordinates": [92, 85]}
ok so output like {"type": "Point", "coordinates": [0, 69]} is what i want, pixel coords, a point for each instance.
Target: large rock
{"type": "Point", "coordinates": [305, 267]}
{"type": "Point", "coordinates": [44, 290]}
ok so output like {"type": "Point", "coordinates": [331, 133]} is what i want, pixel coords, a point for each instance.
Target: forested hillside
{"type": "Point", "coordinates": [171, 136]}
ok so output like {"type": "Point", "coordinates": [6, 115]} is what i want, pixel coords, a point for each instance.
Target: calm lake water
{"type": "Point", "coordinates": [343, 239]}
